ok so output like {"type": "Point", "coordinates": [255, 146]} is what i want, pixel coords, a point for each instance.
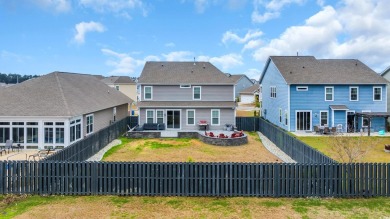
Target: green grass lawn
{"type": "Point", "coordinates": [377, 154]}
{"type": "Point", "coordinates": [189, 207]}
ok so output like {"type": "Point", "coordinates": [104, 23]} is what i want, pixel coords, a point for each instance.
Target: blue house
{"type": "Point", "coordinates": [300, 92]}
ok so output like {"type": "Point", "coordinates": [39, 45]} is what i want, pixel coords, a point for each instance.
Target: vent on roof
{"type": "Point", "coordinates": [194, 61]}
{"type": "Point", "coordinates": [303, 66]}
{"type": "Point", "coordinates": [204, 66]}
{"type": "Point", "coordinates": [227, 74]}
{"type": "Point", "coordinates": [162, 65]}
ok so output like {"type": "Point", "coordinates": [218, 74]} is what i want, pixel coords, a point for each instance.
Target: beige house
{"type": "Point", "coordinates": [58, 109]}
{"type": "Point", "coordinates": [124, 84]}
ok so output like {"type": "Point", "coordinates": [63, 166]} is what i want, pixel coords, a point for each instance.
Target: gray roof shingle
{"type": "Point", "coordinates": [182, 73]}
{"type": "Point", "coordinates": [309, 70]}
{"type": "Point", "coordinates": [251, 90]}
{"type": "Point", "coordinates": [118, 80]}
{"type": "Point", "coordinates": [59, 94]}
{"type": "Point", "coordinates": [187, 104]}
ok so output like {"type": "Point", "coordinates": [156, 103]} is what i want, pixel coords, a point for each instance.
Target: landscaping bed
{"type": "Point", "coordinates": [188, 150]}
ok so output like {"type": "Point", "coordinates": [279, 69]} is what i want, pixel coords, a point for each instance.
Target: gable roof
{"type": "Point", "coordinates": [118, 80]}
{"type": "Point", "coordinates": [387, 70]}
{"type": "Point", "coordinates": [59, 94]}
{"type": "Point", "coordinates": [250, 90]}
{"type": "Point", "coordinates": [182, 73]}
{"type": "Point", "coordinates": [238, 77]}
{"type": "Point", "coordinates": [309, 70]}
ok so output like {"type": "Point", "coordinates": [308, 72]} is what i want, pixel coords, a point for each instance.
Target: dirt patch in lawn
{"type": "Point", "coordinates": [245, 113]}
{"type": "Point", "coordinates": [190, 150]}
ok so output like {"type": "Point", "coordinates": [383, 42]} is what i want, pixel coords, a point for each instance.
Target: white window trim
{"type": "Point", "coordinates": [273, 88]}
{"type": "Point", "coordinates": [117, 87]}
{"type": "Point", "coordinates": [285, 118]}
{"type": "Point", "coordinates": [365, 111]}
{"type": "Point", "coordinates": [186, 86]}
{"type": "Point", "coordinates": [193, 92]}
{"type": "Point", "coordinates": [160, 117]}
{"type": "Point", "coordinates": [332, 93]}
{"type": "Point", "coordinates": [373, 93]}
{"type": "Point", "coordinates": [302, 88]}
{"type": "Point", "coordinates": [327, 116]}
{"type": "Point", "coordinates": [350, 93]}
{"type": "Point", "coordinates": [86, 124]}
{"type": "Point", "coordinates": [146, 115]}
{"type": "Point", "coordinates": [151, 93]}
{"type": "Point", "coordinates": [75, 124]}
{"type": "Point", "coordinates": [187, 116]}
{"type": "Point", "coordinates": [219, 117]}
{"type": "Point", "coordinates": [280, 115]}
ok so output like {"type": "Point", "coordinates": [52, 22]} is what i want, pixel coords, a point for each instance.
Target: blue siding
{"type": "Point", "coordinates": [242, 84]}
{"type": "Point", "coordinates": [314, 99]}
{"type": "Point", "coordinates": [272, 77]}
{"type": "Point", "coordinates": [340, 117]}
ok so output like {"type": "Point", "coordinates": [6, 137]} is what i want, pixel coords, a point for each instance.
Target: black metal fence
{"type": "Point", "coordinates": [195, 179]}
{"type": "Point", "coordinates": [132, 121]}
{"type": "Point", "coordinates": [247, 123]}
{"type": "Point", "coordinates": [87, 147]}
{"type": "Point", "coordinates": [293, 147]}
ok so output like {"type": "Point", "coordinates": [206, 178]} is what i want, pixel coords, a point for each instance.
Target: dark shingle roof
{"type": "Point", "coordinates": [187, 104]}
{"type": "Point", "coordinates": [309, 70]}
{"type": "Point", "coordinates": [59, 94]}
{"type": "Point", "coordinates": [182, 73]}
{"type": "Point", "coordinates": [250, 90]}
{"type": "Point", "coordinates": [118, 80]}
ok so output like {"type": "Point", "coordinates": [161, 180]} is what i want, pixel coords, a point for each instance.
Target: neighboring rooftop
{"type": "Point", "coordinates": [118, 80]}
{"type": "Point", "coordinates": [309, 70]}
{"type": "Point", "coordinates": [237, 77]}
{"type": "Point", "coordinates": [59, 94]}
{"type": "Point", "coordinates": [251, 90]}
{"type": "Point", "coordinates": [182, 73]}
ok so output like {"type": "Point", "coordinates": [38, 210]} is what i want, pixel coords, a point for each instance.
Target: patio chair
{"type": "Point", "coordinates": [316, 129]}
{"type": "Point", "coordinates": [339, 128]}
{"type": "Point", "coordinates": [16, 147]}
{"type": "Point", "coordinates": [333, 130]}
{"type": "Point", "coordinates": [8, 145]}
{"type": "Point", "coordinates": [326, 130]}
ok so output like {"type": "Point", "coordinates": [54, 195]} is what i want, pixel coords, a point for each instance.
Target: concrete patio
{"type": "Point", "coordinates": [23, 154]}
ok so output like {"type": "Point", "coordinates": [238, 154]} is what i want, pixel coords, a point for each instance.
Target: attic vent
{"type": "Point", "coordinates": [303, 66]}
{"type": "Point", "coordinates": [290, 72]}
{"type": "Point", "coordinates": [204, 66]}
{"type": "Point", "coordinates": [162, 65]}
{"type": "Point", "coordinates": [192, 70]}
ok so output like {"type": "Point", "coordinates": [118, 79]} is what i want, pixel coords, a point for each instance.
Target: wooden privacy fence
{"type": "Point", "coordinates": [195, 179]}
{"type": "Point", "coordinates": [293, 147]}
{"type": "Point", "coordinates": [247, 123]}
{"type": "Point", "coordinates": [87, 147]}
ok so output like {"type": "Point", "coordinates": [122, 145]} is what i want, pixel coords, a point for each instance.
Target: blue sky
{"type": "Point", "coordinates": [116, 37]}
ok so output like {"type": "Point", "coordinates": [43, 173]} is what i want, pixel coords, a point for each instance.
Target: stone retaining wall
{"type": "Point", "coordinates": [141, 134]}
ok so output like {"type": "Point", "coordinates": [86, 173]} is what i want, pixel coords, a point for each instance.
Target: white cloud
{"type": "Point", "coordinates": [56, 5]}
{"type": "Point", "coordinates": [252, 44]}
{"type": "Point", "coordinates": [231, 36]}
{"type": "Point", "coordinates": [200, 5]}
{"type": "Point", "coordinates": [121, 7]}
{"type": "Point", "coordinates": [123, 63]}
{"type": "Point", "coordinates": [170, 44]}
{"type": "Point", "coordinates": [10, 56]}
{"type": "Point", "coordinates": [253, 73]}
{"type": "Point", "coordinates": [85, 27]}
{"type": "Point", "coordinates": [152, 58]}
{"type": "Point", "coordinates": [225, 62]}
{"type": "Point", "coordinates": [178, 56]}
{"type": "Point", "coordinates": [272, 9]}
{"type": "Point", "coordinates": [355, 29]}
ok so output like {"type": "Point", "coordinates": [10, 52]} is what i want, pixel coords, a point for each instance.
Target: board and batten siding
{"type": "Point", "coordinates": [102, 118]}
{"type": "Point", "coordinates": [226, 117]}
{"type": "Point", "coordinates": [271, 78]}
{"type": "Point", "coordinates": [175, 93]}
{"type": "Point", "coordinates": [314, 99]}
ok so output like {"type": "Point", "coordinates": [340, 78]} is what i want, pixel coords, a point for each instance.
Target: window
{"type": "Point", "coordinates": [75, 130]}
{"type": "Point", "coordinates": [89, 124]}
{"type": "Point", "coordinates": [18, 134]}
{"type": "Point", "coordinates": [117, 87]}
{"type": "Point", "coordinates": [273, 92]}
{"type": "Point", "coordinates": [114, 114]}
{"type": "Point", "coordinates": [353, 93]}
{"type": "Point", "coordinates": [377, 93]}
{"type": "Point", "coordinates": [149, 116]}
{"type": "Point", "coordinates": [160, 116]}
{"type": "Point", "coordinates": [60, 135]}
{"type": "Point", "coordinates": [197, 93]}
{"type": "Point", "coordinates": [147, 92]}
{"type": "Point", "coordinates": [4, 134]}
{"type": "Point", "coordinates": [185, 86]}
{"type": "Point", "coordinates": [215, 117]}
{"type": "Point", "coordinates": [190, 117]}
{"type": "Point", "coordinates": [49, 135]}
{"type": "Point", "coordinates": [286, 118]}
{"type": "Point", "coordinates": [323, 118]}
{"type": "Point", "coordinates": [280, 115]}
{"type": "Point", "coordinates": [32, 135]}
{"type": "Point", "coordinates": [328, 93]}
{"type": "Point", "coordinates": [302, 88]}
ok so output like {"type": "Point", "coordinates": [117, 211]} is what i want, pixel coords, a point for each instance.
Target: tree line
{"type": "Point", "coordinates": [15, 78]}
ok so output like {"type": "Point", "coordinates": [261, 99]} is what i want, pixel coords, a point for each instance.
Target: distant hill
{"type": "Point", "coordinates": [15, 78]}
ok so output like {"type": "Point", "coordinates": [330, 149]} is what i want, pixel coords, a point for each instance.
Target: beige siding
{"type": "Point", "coordinates": [129, 90]}
{"type": "Point", "coordinates": [102, 118]}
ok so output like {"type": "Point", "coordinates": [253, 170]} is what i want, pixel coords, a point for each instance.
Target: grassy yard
{"type": "Point", "coordinates": [189, 207]}
{"type": "Point", "coordinates": [188, 150]}
{"type": "Point", "coordinates": [377, 154]}
{"type": "Point", "coordinates": [245, 113]}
